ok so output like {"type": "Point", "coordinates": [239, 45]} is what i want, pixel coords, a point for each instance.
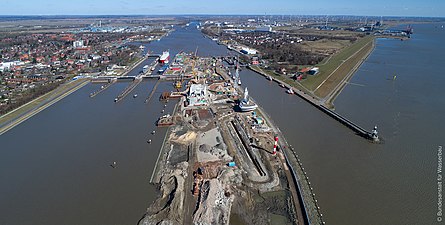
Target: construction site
{"type": "Point", "coordinates": [220, 164]}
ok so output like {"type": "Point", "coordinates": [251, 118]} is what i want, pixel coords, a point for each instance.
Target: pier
{"type": "Point", "coordinates": [103, 88]}
{"type": "Point", "coordinates": [371, 135]}
{"type": "Point", "coordinates": [128, 89]}
{"type": "Point", "coordinates": [152, 92]}
{"type": "Point", "coordinates": [359, 130]}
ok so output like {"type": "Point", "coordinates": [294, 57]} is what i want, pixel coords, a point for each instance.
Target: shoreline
{"type": "Point", "coordinates": [48, 101]}
{"type": "Point", "coordinates": [308, 93]}
{"type": "Point", "coordinates": [330, 98]}
{"type": "Point", "coordinates": [156, 174]}
{"type": "Point", "coordinates": [320, 105]}
{"type": "Point", "coordinates": [300, 197]}
{"type": "Point", "coordinates": [304, 189]}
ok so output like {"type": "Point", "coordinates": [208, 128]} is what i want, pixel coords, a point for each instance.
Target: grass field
{"type": "Point", "coordinates": [333, 70]}
{"type": "Point", "coordinates": [285, 79]}
{"type": "Point", "coordinates": [338, 67]}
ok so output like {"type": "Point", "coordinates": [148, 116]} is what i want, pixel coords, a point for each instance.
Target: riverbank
{"type": "Point", "coordinates": [305, 94]}
{"type": "Point", "coordinates": [335, 71]}
{"type": "Point", "coordinates": [312, 212]}
{"type": "Point", "coordinates": [324, 87]}
{"type": "Point", "coordinates": [330, 98]}
{"type": "Point", "coordinates": [319, 104]}
{"type": "Point", "coordinates": [339, 69]}
{"type": "Point", "coordinates": [26, 111]}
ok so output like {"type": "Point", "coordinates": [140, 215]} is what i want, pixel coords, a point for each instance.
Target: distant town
{"type": "Point", "coordinates": [37, 59]}
{"type": "Point", "coordinates": [36, 56]}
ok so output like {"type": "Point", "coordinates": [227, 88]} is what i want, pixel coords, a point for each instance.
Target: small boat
{"type": "Point", "coordinates": [153, 132]}
{"type": "Point", "coordinates": [114, 164]}
{"type": "Point", "coordinates": [135, 95]}
{"type": "Point", "coordinates": [269, 78]}
{"type": "Point", "coordinates": [239, 81]}
{"type": "Point", "coordinates": [115, 100]}
{"type": "Point", "coordinates": [165, 116]}
{"type": "Point", "coordinates": [149, 141]}
{"type": "Point", "coordinates": [290, 91]}
{"type": "Point", "coordinates": [282, 85]}
{"type": "Point", "coordinates": [165, 121]}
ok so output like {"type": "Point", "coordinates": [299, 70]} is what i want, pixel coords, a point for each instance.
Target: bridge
{"type": "Point", "coordinates": [128, 89]}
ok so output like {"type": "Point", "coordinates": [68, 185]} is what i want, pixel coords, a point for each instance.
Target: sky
{"type": "Point", "coordinates": [421, 8]}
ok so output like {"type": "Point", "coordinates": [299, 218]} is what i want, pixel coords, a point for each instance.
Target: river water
{"type": "Point", "coordinates": [55, 167]}
{"type": "Point", "coordinates": [358, 182]}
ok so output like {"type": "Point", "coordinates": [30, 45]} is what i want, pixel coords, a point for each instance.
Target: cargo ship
{"type": "Point", "coordinates": [165, 57]}
{"type": "Point", "coordinates": [163, 69]}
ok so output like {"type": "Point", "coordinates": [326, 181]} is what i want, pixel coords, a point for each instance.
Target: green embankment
{"type": "Point", "coordinates": [28, 107]}
{"type": "Point", "coordinates": [283, 78]}
{"type": "Point", "coordinates": [338, 67]}
{"type": "Point", "coordinates": [332, 70]}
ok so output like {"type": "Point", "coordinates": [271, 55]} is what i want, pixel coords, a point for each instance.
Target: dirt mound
{"type": "Point", "coordinates": [167, 209]}
{"type": "Point", "coordinates": [185, 138]}
{"type": "Point", "coordinates": [214, 205]}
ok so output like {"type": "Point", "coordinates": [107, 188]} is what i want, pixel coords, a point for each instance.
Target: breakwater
{"type": "Point", "coordinates": [316, 103]}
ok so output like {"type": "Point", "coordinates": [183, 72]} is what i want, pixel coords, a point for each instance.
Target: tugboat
{"type": "Point", "coordinates": [165, 121]}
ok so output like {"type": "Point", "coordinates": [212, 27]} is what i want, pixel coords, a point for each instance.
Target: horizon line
{"type": "Point", "coordinates": [199, 14]}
